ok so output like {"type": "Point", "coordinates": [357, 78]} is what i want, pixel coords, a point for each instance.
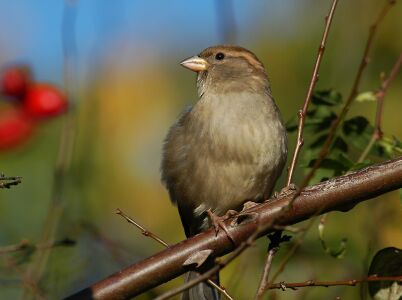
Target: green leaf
{"type": "Point", "coordinates": [319, 142]}
{"type": "Point", "coordinates": [338, 253]}
{"type": "Point", "coordinates": [387, 148]}
{"type": "Point", "coordinates": [366, 96]}
{"type": "Point", "coordinates": [357, 132]}
{"type": "Point", "coordinates": [320, 175]}
{"type": "Point", "coordinates": [339, 143]}
{"type": "Point", "coordinates": [398, 143]}
{"type": "Point", "coordinates": [330, 164]}
{"type": "Point", "coordinates": [344, 159]}
{"type": "Point", "coordinates": [317, 124]}
{"type": "Point", "coordinates": [355, 126]}
{"type": "Point", "coordinates": [383, 148]}
{"type": "Point", "coordinates": [386, 263]}
{"type": "Point", "coordinates": [317, 120]}
{"type": "Point", "coordinates": [326, 97]}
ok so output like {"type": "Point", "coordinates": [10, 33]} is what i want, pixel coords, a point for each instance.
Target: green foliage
{"type": "Point", "coordinates": [351, 139]}
{"type": "Point", "coordinates": [366, 96]}
{"type": "Point", "coordinates": [326, 97]}
{"type": "Point", "coordinates": [337, 253]}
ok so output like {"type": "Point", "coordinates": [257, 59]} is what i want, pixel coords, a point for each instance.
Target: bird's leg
{"type": "Point", "coordinates": [244, 215]}
{"type": "Point", "coordinates": [220, 222]}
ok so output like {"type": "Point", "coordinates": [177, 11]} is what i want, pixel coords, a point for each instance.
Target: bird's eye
{"type": "Point", "coordinates": [219, 56]}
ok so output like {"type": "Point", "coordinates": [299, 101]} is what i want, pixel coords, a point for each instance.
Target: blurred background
{"type": "Point", "coordinates": [127, 88]}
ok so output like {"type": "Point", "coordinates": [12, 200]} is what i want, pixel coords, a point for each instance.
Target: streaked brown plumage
{"type": "Point", "coordinates": [231, 146]}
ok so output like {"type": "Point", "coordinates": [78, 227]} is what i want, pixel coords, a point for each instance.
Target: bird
{"type": "Point", "coordinates": [228, 148]}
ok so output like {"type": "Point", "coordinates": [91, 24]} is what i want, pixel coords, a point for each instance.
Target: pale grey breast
{"type": "Point", "coordinates": [223, 152]}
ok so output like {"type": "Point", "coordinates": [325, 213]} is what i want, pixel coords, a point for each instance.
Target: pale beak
{"type": "Point", "coordinates": [195, 64]}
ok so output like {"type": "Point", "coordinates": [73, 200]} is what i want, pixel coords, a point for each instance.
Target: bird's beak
{"type": "Point", "coordinates": [195, 63]}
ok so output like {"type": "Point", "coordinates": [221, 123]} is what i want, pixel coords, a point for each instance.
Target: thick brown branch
{"type": "Point", "coordinates": [341, 193]}
{"type": "Point", "coordinates": [314, 78]}
{"type": "Point", "coordinates": [153, 236]}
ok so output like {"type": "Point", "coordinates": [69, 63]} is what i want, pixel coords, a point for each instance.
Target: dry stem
{"type": "Point", "coordinates": [314, 78]}
{"type": "Point", "coordinates": [380, 95]}
{"type": "Point", "coordinates": [351, 282]}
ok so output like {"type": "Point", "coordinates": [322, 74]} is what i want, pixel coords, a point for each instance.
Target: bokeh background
{"type": "Point", "coordinates": [128, 89]}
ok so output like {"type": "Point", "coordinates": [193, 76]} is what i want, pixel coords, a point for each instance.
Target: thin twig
{"type": "Point", "coordinates": [144, 231]}
{"type": "Point", "coordinates": [14, 248]}
{"type": "Point", "coordinates": [37, 268]}
{"type": "Point", "coordinates": [265, 274]}
{"type": "Point", "coordinates": [380, 96]}
{"type": "Point", "coordinates": [292, 251]}
{"type": "Point", "coordinates": [9, 181]}
{"type": "Point", "coordinates": [314, 78]}
{"type": "Point", "coordinates": [220, 288]}
{"type": "Point", "coordinates": [153, 236]}
{"type": "Point", "coordinates": [353, 93]}
{"type": "Point", "coordinates": [351, 282]}
{"type": "Point", "coordinates": [25, 244]}
{"type": "Point", "coordinates": [276, 239]}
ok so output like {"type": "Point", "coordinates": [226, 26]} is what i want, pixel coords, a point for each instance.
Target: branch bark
{"type": "Point", "coordinates": [340, 193]}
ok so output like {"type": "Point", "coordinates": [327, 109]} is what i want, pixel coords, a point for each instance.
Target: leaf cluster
{"type": "Point", "coordinates": [349, 142]}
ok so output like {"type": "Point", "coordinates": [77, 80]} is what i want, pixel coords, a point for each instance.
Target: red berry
{"type": "Point", "coordinates": [15, 128]}
{"type": "Point", "coordinates": [44, 100]}
{"type": "Point", "coordinates": [15, 81]}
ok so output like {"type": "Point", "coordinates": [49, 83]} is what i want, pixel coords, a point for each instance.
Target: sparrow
{"type": "Point", "coordinates": [228, 148]}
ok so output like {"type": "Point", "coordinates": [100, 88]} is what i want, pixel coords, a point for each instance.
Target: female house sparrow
{"type": "Point", "coordinates": [229, 148]}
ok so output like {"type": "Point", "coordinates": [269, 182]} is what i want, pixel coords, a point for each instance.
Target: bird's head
{"type": "Point", "coordinates": [227, 68]}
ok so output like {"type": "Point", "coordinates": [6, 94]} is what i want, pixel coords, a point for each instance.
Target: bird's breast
{"type": "Point", "coordinates": [224, 151]}
{"type": "Point", "coordinates": [242, 127]}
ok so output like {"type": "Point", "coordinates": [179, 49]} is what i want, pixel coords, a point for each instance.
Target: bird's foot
{"type": "Point", "coordinates": [219, 222]}
{"type": "Point", "coordinates": [243, 215]}
{"type": "Point", "coordinates": [286, 191]}
{"type": "Point", "coordinates": [248, 205]}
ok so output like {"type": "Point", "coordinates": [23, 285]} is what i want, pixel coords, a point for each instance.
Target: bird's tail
{"type": "Point", "coordinates": [202, 291]}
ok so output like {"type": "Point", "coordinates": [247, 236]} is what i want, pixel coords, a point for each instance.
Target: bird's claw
{"type": "Point", "coordinates": [286, 191]}
{"type": "Point", "coordinates": [219, 222]}
{"type": "Point", "coordinates": [248, 205]}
